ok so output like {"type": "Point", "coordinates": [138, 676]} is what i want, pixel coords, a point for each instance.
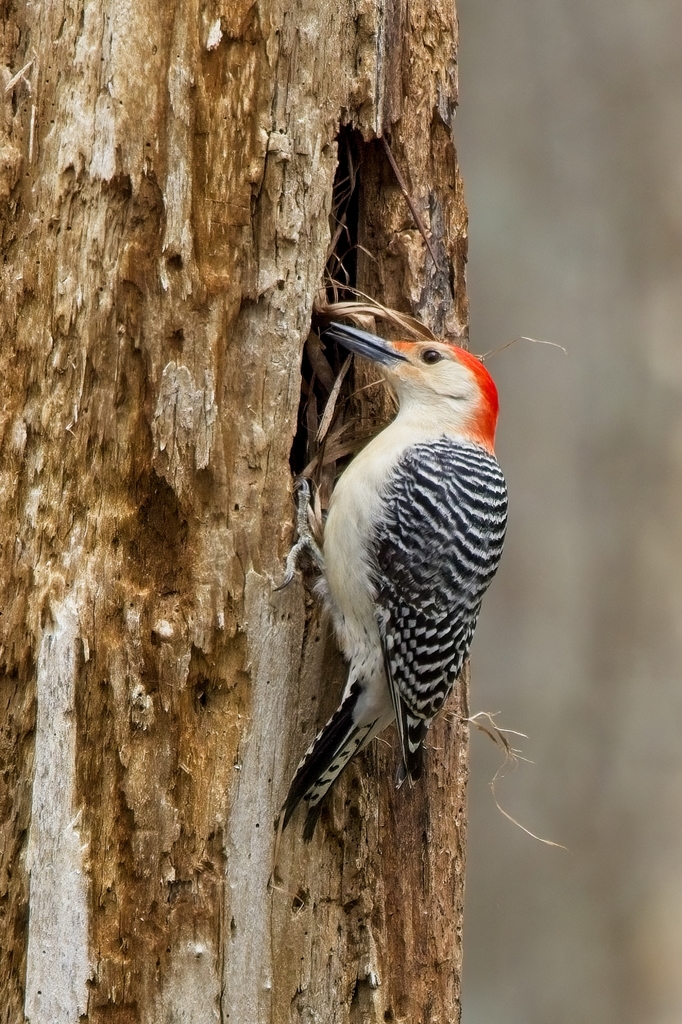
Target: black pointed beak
{"type": "Point", "coordinates": [364, 344]}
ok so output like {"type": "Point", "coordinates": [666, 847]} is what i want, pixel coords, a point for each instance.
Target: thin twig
{"type": "Point", "coordinates": [319, 361]}
{"type": "Point", "coordinates": [366, 387]}
{"type": "Point", "coordinates": [20, 74]}
{"type": "Point", "coordinates": [31, 133]}
{"type": "Point", "coordinates": [356, 311]}
{"type": "Point", "coordinates": [547, 842]}
{"type": "Point", "coordinates": [330, 407]}
{"type": "Point", "coordinates": [413, 209]}
{"type": "Point", "coordinates": [333, 450]}
{"type": "Point", "coordinates": [339, 201]}
{"type": "Point", "coordinates": [522, 337]}
{"type": "Point", "coordinates": [511, 756]}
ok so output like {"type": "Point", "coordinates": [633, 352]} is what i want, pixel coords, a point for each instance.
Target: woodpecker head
{"type": "Point", "coordinates": [441, 379]}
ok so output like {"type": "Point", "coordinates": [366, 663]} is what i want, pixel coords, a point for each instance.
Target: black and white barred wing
{"type": "Point", "coordinates": [436, 553]}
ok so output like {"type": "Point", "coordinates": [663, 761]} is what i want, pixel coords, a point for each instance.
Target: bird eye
{"type": "Point", "coordinates": [431, 355]}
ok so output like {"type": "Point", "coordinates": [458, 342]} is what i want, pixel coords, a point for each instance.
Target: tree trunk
{"type": "Point", "coordinates": [166, 182]}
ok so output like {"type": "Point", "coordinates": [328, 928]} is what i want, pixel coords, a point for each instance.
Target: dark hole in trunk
{"type": "Point", "coordinates": [322, 361]}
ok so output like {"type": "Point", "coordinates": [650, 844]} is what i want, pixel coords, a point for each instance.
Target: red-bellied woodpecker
{"type": "Point", "coordinates": [413, 538]}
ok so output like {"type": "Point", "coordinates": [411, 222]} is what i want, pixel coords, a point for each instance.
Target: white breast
{"type": "Point", "coordinates": [356, 506]}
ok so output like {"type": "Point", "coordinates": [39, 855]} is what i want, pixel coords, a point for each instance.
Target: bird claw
{"type": "Point", "coordinates": [305, 543]}
{"type": "Point", "coordinates": [305, 540]}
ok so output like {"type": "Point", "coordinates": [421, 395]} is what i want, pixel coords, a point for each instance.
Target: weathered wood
{"type": "Point", "coordinates": [166, 178]}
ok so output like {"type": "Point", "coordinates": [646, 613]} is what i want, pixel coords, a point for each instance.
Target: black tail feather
{"type": "Point", "coordinates": [319, 759]}
{"type": "Point", "coordinates": [311, 820]}
{"type": "Point", "coordinates": [413, 754]}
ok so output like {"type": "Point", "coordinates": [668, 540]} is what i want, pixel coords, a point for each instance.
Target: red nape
{"type": "Point", "coordinates": [490, 406]}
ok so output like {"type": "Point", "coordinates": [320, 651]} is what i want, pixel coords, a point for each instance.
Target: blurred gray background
{"type": "Point", "coordinates": [569, 134]}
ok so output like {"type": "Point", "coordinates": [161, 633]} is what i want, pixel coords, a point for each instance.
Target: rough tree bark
{"type": "Point", "coordinates": [166, 181]}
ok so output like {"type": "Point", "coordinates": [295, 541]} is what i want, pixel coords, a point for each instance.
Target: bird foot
{"type": "Point", "coordinates": [305, 540]}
